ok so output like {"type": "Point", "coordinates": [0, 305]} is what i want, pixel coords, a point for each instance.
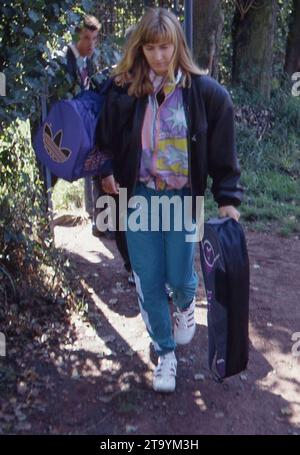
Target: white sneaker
{"type": "Point", "coordinates": [185, 326]}
{"type": "Point", "coordinates": [164, 376]}
{"type": "Point", "coordinates": [131, 279]}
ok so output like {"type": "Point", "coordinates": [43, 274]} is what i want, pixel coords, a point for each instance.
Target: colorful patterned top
{"type": "Point", "coordinates": [164, 137]}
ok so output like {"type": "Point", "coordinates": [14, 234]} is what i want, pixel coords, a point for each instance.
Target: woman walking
{"type": "Point", "coordinates": [166, 127]}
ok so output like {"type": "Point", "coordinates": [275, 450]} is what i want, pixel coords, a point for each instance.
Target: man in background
{"type": "Point", "coordinates": [82, 58]}
{"type": "Point", "coordinates": [81, 63]}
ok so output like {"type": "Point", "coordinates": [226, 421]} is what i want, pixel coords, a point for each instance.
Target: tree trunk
{"type": "Point", "coordinates": [292, 58]}
{"type": "Point", "coordinates": [208, 20]}
{"type": "Point", "coordinates": [253, 38]}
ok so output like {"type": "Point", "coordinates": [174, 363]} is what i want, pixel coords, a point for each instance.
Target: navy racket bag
{"type": "Point", "coordinates": [225, 268]}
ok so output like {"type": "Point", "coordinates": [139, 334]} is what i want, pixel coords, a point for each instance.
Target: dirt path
{"type": "Point", "coordinates": [98, 380]}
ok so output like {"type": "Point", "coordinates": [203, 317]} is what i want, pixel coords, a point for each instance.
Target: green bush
{"type": "Point", "coordinates": [68, 196]}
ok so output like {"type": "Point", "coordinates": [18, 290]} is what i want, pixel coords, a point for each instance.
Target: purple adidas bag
{"type": "Point", "coordinates": [65, 142]}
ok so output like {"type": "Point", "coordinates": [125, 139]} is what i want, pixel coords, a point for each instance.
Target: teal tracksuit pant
{"type": "Point", "coordinates": [161, 255]}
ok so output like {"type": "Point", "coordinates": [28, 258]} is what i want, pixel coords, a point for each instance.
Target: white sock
{"type": "Point", "coordinates": [170, 355]}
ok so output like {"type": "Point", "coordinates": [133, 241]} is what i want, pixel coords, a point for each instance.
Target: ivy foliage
{"type": "Point", "coordinates": [31, 33]}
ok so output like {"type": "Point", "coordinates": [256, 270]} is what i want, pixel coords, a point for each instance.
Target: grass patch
{"type": "Point", "coordinates": [271, 164]}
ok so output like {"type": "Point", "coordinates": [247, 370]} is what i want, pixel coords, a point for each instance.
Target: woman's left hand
{"type": "Point", "coordinates": [229, 210]}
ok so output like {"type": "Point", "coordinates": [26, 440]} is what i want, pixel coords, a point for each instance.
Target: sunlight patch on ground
{"type": "Point", "coordinates": [131, 330]}
{"type": "Point", "coordinates": [282, 370]}
{"type": "Point", "coordinates": [201, 312]}
{"type": "Point", "coordinates": [76, 243]}
{"type": "Point", "coordinates": [199, 401]}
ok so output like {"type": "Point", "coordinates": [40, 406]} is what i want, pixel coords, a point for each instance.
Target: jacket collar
{"type": "Point", "coordinates": [194, 105]}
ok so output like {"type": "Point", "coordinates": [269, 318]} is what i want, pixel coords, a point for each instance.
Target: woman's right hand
{"type": "Point", "coordinates": [109, 185]}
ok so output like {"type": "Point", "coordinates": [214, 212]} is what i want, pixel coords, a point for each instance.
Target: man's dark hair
{"type": "Point", "coordinates": [89, 22]}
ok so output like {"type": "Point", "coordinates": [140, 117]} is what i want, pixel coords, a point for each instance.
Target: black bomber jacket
{"type": "Point", "coordinates": [211, 138]}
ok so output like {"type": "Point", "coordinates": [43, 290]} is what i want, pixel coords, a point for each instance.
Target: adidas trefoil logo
{"type": "Point", "coordinates": [53, 145]}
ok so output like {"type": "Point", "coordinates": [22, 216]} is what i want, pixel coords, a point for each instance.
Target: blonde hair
{"type": "Point", "coordinates": [157, 25]}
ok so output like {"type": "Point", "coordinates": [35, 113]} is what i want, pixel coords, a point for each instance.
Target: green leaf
{"type": "Point", "coordinates": [87, 5]}
{"type": "Point", "coordinates": [42, 47]}
{"type": "Point", "coordinates": [56, 9]}
{"type": "Point", "coordinates": [50, 71]}
{"type": "Point", "coordinates": [72, 18]}
{"type": "Point", "coordinates": [28, 31]}
{"type": "Point", "coordinates": [34, 16]}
